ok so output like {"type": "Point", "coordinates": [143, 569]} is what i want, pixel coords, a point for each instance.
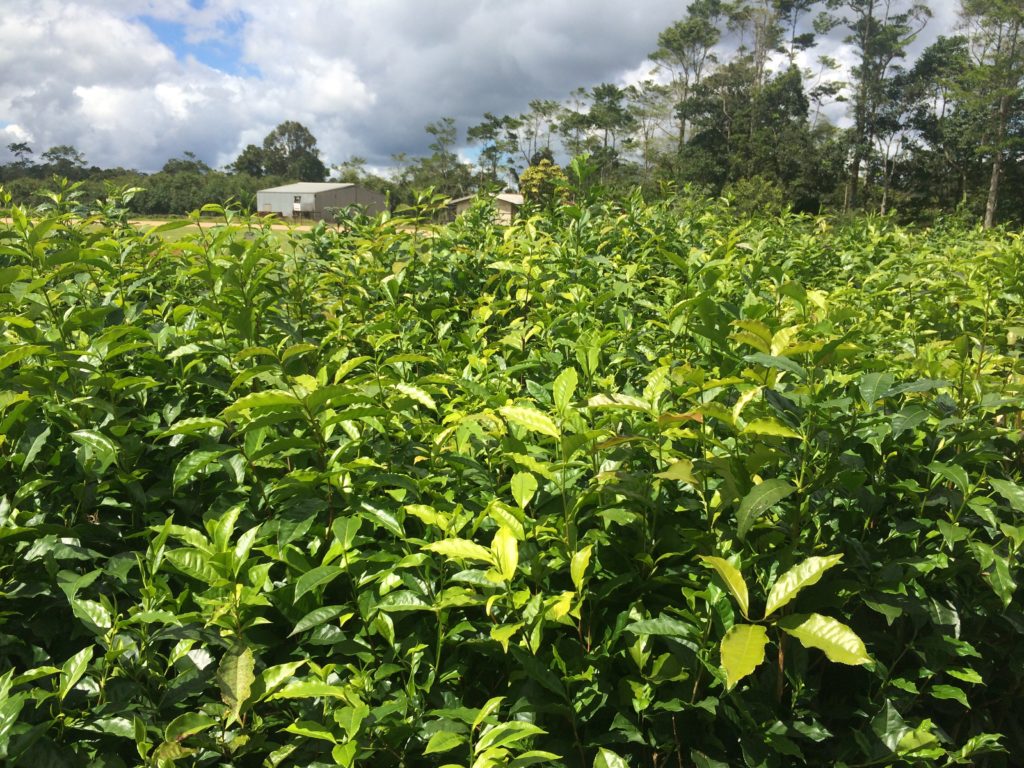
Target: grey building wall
{"type": "Point", "coordinates": [319, 204]}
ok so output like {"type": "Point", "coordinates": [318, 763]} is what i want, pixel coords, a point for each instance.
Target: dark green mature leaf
{"type": "Point", "coordinates": [102, 448]}
{"type": "Point", "coordinates": [316, 577]}
{"type": "Point", "coordinates": [760, 499]}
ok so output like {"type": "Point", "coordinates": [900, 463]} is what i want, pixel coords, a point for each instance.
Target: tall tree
{"type": "Point", "coordinates": [290, 150]}
{"type": "Point", "coordinates": [22, 153]}
{"type": "Point", "coordinates": [499, 146]}
{"type": "Point", "coordinates": [64, 160]}
{"type": "Point", "coordinates": [996, 42]}
{"type": "Point", "coordinates": [686, 50]}
{"type": "Point", "coordinates": [879, 32]}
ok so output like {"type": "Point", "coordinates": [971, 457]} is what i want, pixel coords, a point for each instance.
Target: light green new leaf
{"type": "Point", "coordinates": [235, 678]}
{"type": "Point", "coordinates": [194, 563]}
{"type": "Point", "coordinates": [72, 670]}
{"type": "Point", "coordinates": [417, 394]}
{"type": "Point", "coordinates": [605, 758]}
{"type": "Point", "coordinates": [742, 651]}
{"type": "Point", "coordinates": [309, 689]}
{"type": "Point", "coordinates": [311, 730]}
{"type": "Point", "coordinates": [444, 741]}
{"type": "Point", "coordinates": [274, 398]}
{"type": "Point", "coordinates": [733, 581]}
{"type": "Point", "coordinates": [524, 486]}
{"type": "Point", "coordinates": [789, 584]}
{"type": "Point", "coordinates": [760, 499]}
{"type": "Point", "coordinates": [578, 566]}
{"type": "Point", "coordinates": [504, 734]}
{"type": "Point", "coordinates": [193, 426]}
{"type": "Point", "coordinates": [531, 420]}
{"type": "Point", "coordinates": [840, 643]}
{"type": "Point", "coordinates": [461, 549]}
{"type": "Point", "coordinates": [506, 553]}
{"type": "Point", "coordinates": [505, 632]}
{"type": "Point", "coordinates": [18, 354]}
{"type": "Point", "coordinates": [681, 470]}
{"type": "Point", "coordinates": [771, 427]}
{"type": "Point", "coordinates": [564, 388]}
{"type": "Point", "coordinates": [272, 678]}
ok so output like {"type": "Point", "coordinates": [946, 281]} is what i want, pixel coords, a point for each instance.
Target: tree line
{"type": "Point", "coordinates": [728, 110]}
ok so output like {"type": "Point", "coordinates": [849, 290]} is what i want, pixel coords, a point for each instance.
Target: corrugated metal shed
{"type": "Point", "coordinates": [318, 200]}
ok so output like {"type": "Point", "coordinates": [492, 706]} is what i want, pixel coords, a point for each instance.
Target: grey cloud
{"type": "Point", "coordinates": [365, 77]}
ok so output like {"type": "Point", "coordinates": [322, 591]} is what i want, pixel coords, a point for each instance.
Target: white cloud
{"type": "Point", "coordinates": [365, 77]}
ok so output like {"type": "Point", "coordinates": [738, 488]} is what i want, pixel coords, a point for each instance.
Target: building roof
{"type": "Point", "coordinates": [307, 187]}
{"type": "Point", "coordinates": [506, 197]}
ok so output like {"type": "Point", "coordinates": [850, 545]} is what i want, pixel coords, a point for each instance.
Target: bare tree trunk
{"type": "Point", "coordinates": [997, 165]}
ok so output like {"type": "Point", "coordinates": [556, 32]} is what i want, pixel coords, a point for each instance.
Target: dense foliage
{"type": "Point", "coordinates": [622, 484]}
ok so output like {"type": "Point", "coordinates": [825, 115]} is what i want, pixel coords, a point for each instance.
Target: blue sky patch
{"type": "Point", "coordinates": [223, 53]}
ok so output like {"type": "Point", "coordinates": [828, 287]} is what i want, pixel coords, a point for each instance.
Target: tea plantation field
{"type": "Point", "coordinates": [630, 484]}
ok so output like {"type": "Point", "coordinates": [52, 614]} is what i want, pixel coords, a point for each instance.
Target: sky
{"type": "Point", "coordinates": [132, 83]}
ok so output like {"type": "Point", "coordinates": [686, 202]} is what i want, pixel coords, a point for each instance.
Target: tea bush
{"type": "Point", "coordinates": [632, 484]}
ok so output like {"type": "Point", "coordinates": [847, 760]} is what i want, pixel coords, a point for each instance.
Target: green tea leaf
{"type": "Point", "coordinates": [874, 385]}
{"type": "Point", "coordinates": [187, 725]}
{"type": "Point", "coordinates": [506, 553]}
{"type": "Point", "coordinates": [461, 549]}
{"type": "Point", "coordinates": [742, 651]}
{"type": "Point", "coordinates": [952, 473]}
{"type": "Point", "coordinates": [16, 355]}
{"type": "Point", "coordinates": [1010, 491]}
{"type": "Point", "coordinates": [72, 670]}
{"type": "Point", "coordinates": [840, 643]}
{"type": "Point", "coordinates": [444, 741]}
{"type": "Point", "coordinates": [103, 449]}
{"type": "Point", "coordinates": [309, 689]}
{"type": "Point", "coordinates": [733, 581]}
{"type": "Point", "coordinates": [531, 420]}
{"type": "Point", "coordinates": [524, 486]}
{"type": "Point", "coordinates": [417, 394]}
{"type": "Point", "coordinates": [311, 730]}
{"type": "Point", "coordinates": [235, 678]}
{"type": "Point", "coordinates": [607, 759]}
{"type": "Point", "coordinates": [316, 617]}
{"type": "Point", "coordinates": [268, 399]}
{"type": "Point", "coordinates": [789, 584]}
{"type": "Point", "coordinates": [681, 470]}
{"type": "Point", "coordinates": [760, 499]}
{"type": "Point", "coordinates": [772, 427]}
{"type": "Point", "coordinates": [316, 577]}
{"type": "Point", "coordinates": [578, 566]}
{"type": "Point", "coordinates": [564, 388]}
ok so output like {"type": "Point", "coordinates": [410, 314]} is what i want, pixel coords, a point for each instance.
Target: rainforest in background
{"type": "Point", "coordinates": [625, 483]}
{"type": "Point", "coordinates": [727, 110]}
